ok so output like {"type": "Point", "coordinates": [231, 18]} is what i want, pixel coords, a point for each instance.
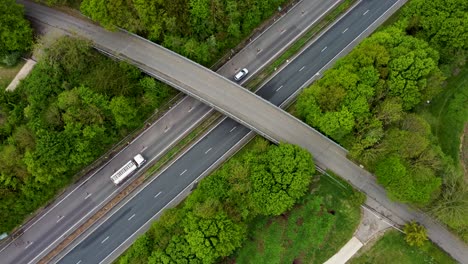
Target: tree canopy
{"type": "Point", "coordinates": [72, 107]}
{"type": "Point", "coordinates": [201, 30]}
{"type": "Point", "coordinates": [15, 32]}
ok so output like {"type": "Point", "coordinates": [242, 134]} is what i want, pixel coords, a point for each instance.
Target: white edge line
{"type": "Point", "coordinates": [136, 193]}
{"type": "Point", "coordinates": [335, 22]}
{"type": "Point", "coordinates": [188, 186]}
{"type": "Point", "coordinates": [296, 37]}
{"type": "Point", "coordinates": [337, 55]}
{"type": "Point", "coordinates": [185, 97]}
{"type": "Point", "coordinates": [318, 37]}
{"type": "Point", "coordinates": [315, 39]}
{"type": "Point", "coordinates": [146, 164]}
{"type": "Point", "coordinates": [86, 180]}
{"type": "Point", "coordinates": [236, 126]}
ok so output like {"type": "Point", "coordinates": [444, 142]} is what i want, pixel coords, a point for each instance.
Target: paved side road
{"type": "Point", "coordinates": [82, 199]}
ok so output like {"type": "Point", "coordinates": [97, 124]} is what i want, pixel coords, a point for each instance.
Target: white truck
{"type": "Point", "coordinates": [131, 166]}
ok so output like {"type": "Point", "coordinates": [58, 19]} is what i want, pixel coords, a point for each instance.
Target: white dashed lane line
{"type": "Point", "coordinates": [105, 239]}
{"type": "Point", "coordinates": [206, 152]}
{"type": "Point", "coordinates": [324, 49]}
{"type": "Point", "coordinates": [182, 173]}
{"type": "Point", "coordinates": [367, 11]}
{"type": "Point", "coordinates": [157, 194]}
{"type": "Point", "coordinates": [232, 129]}
{"type": "Point", "coordinates": [345, 30]}
{"type": "Point", "coordinates": [131, 217]}
{"type": "Point", "coordinates": [302, 68]}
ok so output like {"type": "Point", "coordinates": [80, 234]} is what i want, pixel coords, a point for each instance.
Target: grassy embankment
{"type": "Point", "coordinates": [7, 74]}
{"type": "Point", "coordinates": [302, 234]}
{"type": "Point", "coordinates": [448, 113]}
{"type": "Point", "coordinates": [392, 248]}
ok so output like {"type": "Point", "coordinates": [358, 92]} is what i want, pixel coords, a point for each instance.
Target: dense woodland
{"type": "Point", "coordinates": [202, 30]}
{"type": "Point", "coordinates": [71, 108]}
{"type": "Point", "coordinates": [367, 103]}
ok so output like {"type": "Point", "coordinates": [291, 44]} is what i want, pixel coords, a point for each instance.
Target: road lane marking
{"type": "Point", "coordinates": [144, 148]}
{"type": "Point", "coordinates": [279, 88]}
{"type": "Point", "coordinates": [60, 217]}
{"type": "Point", "coordinates": [131, 217]}
{"type": "Point", "coordinates": [30, 243]}
{"type": "Point", "coordinates": [190, 109]}
{"type": "Point", "coordinates": [206, 152]}
{"type": "Point", "coordinates": [344, 31]}
{"type": "Point", "coordinates": [88, 195]}
{"type": "Point", "coordinates": [324, 49]}
{"type": "Point", "coordinates": [157, 194]}
{"type": "Point", "coordinates": [183, 172]}
{"type": "Point", "coordinates": [105, 239]}
{"type": "Point", "coordinates": [232, 129]}
{"type": "Point", "coordinates": [302, 68]}
{"type": "Point", "coordinates": [367, 11]}
{"type": "Point", "coordinates": [79, 261]}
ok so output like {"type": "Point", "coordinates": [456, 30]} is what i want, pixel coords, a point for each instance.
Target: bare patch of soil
{"type": "Point", "coordinates": [300, 221]}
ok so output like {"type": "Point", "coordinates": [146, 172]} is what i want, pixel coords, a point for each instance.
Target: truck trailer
{"type": "Point", "coordinates": [123, 173]}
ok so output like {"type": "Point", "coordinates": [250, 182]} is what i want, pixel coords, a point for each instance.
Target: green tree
{"type": "Point", "coordinates": [280, 178]}
{"type": "Point", "coordinates": [416, 234]}
{"type": "Point", "coordinates": [124, 111]}
{"type": "Point", "coordinates": [214, 237]}
{"type": "Point", "coordinates": [15, 32]}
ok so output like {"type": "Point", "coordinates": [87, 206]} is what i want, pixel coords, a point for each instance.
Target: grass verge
{"type": "Point", "coordinates": [448, 113]}
{"type": "Point", "coordinates": [304, 235]}
{"type": "Point", "coordinates": [392, 248]}
{"type": "Point", "coordinates": [7, 74]}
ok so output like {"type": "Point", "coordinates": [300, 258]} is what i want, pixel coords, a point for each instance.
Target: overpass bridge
{"type": "Point", "coordinates": [247, 108]}
{"type": "Point", "coordinates": [191, 78]}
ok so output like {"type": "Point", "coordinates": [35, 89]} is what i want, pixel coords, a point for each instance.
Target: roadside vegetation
{"type": "Point", "coordinates": [16, 35]}
{"type": "Point", "coordinates": [261, 181]}
{"type": "Point", "coordinates": [73, 106]}
{"type": "Point", "coordinates": [369, 101]}
{"type": "Point", "coordinates": [392, 247]}
{"type": "Point", "coordinates": [8, 73]}
{"type": "Point", "coordinates": [313, 231]}
{"type": "Point", "coordinates": [200, 30]}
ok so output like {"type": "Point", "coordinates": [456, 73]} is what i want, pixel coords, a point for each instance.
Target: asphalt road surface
{"type": "Point", "coordinates": [83, 199]}
{"type": "Point", "coordinates": [184, 172]}
{"type": "Point", "coordinates": [191, 78]}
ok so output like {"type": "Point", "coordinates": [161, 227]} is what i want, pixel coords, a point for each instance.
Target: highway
{"type": "Point", "coordinates": [120, 227]}
{"type": "Point", "coordinates": [84, 198]}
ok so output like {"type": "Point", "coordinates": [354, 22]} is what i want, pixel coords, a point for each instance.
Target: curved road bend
{"type": "Point", "coordinates": [111, 237]}
{"type": "Point", "coordinates": [82, 200]}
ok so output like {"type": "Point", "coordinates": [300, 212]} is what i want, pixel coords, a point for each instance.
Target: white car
{"type": "Point", "coordinates": [241, 74]}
